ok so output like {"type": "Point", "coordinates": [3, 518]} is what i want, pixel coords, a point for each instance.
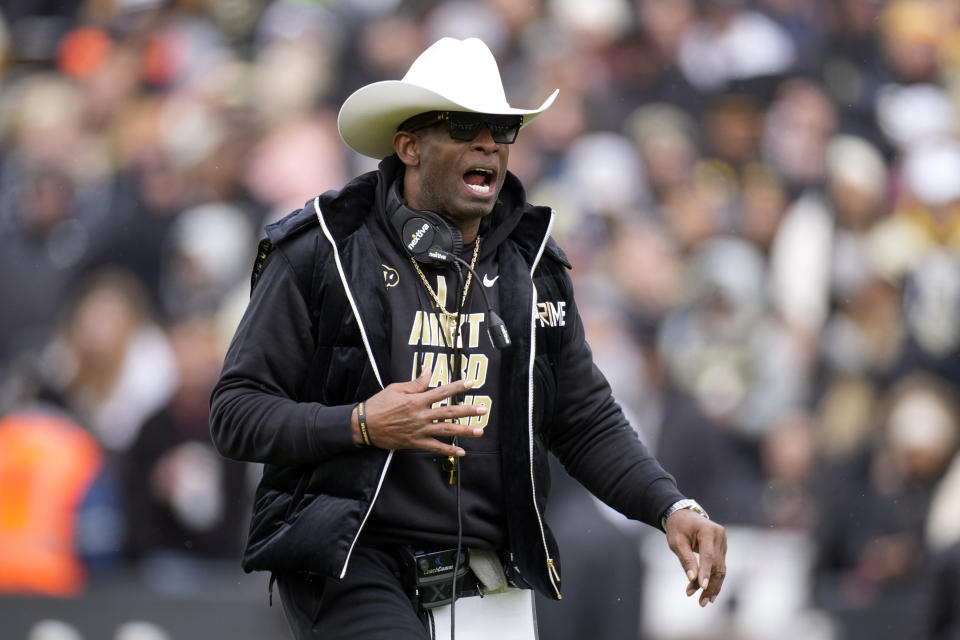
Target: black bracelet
{"type": "Point", "coordinates": [362, 419]}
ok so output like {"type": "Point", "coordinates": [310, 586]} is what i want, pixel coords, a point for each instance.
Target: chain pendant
{"type": "Point", "coordinates": [453, 330]}
{"type": "Point", "coordinates": [450, 466]}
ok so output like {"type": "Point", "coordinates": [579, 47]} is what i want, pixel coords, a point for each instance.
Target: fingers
{"type": "Point", "coordinates": [436, 395]}
{"type": "Point", "coordinates": [455, 430]}
{"type": "Point", "coordinates": [447, 430]}
{"type": "Point", "coordinates": [713, 568]}
{"type": "Point", "coordinates": [445, 449]}
{"type": "Point", "coordinates": [451, 430]}
{"type": "Point", "coordinates": [422, 382]}
{"type": "Point", "coordinates": [690, 535]}
{"type": "Point", "coordinates": [445, 417]}
{"type": "Point", "coordinates": [444, 391]}
{"type": "Point", "coordinates": [688, 560]}
{"type": "Point", "coordinates": [411, 415]}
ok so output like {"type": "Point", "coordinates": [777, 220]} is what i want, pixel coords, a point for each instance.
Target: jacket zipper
{"type": "Point", "coordinates": [373, 363]}
{"type": "Point", "coordinates": [552, 572]}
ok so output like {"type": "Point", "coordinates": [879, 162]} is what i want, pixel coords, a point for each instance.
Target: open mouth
{"type": "Point", "coordinates": [480, 180]}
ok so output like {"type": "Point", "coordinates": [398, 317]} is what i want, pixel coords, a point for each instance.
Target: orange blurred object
{"type": "Point", "coordinates": [47, 464]}
{"type": "Point", "coordinates": [83, 50]}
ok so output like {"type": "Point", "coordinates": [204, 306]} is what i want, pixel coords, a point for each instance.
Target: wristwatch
{"type": "Point", "coordinates": [682, 504]}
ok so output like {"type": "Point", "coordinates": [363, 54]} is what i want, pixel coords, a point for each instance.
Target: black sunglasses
{"type": "Point", "coordinates": [465, 126]}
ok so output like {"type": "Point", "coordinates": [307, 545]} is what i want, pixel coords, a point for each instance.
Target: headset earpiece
{"type": "Point", "coordinates": [425, 235]}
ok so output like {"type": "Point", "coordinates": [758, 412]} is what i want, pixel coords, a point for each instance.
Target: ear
{"type": "Point", "coordinates": [407, 145]}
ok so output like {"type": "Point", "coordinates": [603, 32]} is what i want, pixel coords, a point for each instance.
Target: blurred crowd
{"type": "Point", "coordinates": [761, 199]}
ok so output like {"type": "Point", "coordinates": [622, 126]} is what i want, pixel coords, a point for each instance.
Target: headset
{"type": "Point", "coordinates": [429, 239]}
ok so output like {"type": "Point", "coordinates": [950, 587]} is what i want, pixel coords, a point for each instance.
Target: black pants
{"type": "Point", "coordinates": [369, 603]}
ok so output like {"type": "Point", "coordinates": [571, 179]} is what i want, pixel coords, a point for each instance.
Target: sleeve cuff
{"type": "Point", "coordinates": [331, 432]}
{"type": "Point", "coordinates": [660, 496]}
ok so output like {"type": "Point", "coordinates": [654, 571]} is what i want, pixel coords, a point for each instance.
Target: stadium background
{"type": "Point", "coordinates": [761, 200]}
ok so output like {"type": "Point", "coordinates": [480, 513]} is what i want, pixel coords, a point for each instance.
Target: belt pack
{"type": "Point", "coordinates": [429, 575]}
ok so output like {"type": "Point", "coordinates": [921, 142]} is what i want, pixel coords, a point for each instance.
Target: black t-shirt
{"type": "Point", "coordinates": [417, 504]}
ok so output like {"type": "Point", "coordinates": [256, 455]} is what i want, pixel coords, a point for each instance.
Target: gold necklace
{"type": "Point", "coordinates": [466, 286]}
{"type": "Point", "coordinates": [450, 464]}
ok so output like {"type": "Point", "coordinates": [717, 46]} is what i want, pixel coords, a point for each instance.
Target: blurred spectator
{"type": "Point", "coordinates": [153, 185]}
{"type": "Point", "coordinates": [646, 268]}
{"type": "Point", "coordinates": [926, 213]}
{"type": "Point", "coordinates": [293, 162]}
{"type": "Point", "coordinates": [800, 122]}
{"type": "Point", "coordinates": [182, 500]}
{"type": "Point", "coordinates": [206, 257]}
{"type": "Point", "coordinates": [666, 137]}
{"type": "Point", "coordinates": [820, 253]}
{"type": "Point", "coordinates": [53, 197]}
{"type": "Point", "coordinates": [45, 249]}
{"type": "Point", "coordinates": [910, 30]}
{"type": "Point", "coordinates": [853, 64]}
{"type": "Point", "coordinates": [111, 365]}
{"type": "Point", "coordinates": [789, 462]}
{"type": "Point", "coordinates": [729, 43]}
{"type": "Point", "coordinates": [874, 507]}
{"type": "Point", "coordinates": [739, 364]}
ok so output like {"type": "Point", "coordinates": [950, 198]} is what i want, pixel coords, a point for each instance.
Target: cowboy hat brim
{"type": "Point", "coordinates": [369, 118]}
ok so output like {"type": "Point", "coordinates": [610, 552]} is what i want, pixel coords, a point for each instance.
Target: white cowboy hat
{"type": "Point", "coordinates": [454, 75]}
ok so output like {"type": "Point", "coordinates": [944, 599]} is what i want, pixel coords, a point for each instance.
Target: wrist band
{"type": "Point", "coordinates": [362, 419]}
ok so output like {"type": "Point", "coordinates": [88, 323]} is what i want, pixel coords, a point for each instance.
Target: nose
{"type": "Point", "coordinates": [484, 141]}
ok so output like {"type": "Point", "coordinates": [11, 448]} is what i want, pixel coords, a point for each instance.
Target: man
{"type": "Point", "coordinates": [405, 440]}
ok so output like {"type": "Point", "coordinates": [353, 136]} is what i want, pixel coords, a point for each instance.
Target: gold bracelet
{"type": "Point", "coordinates": [362, 419]}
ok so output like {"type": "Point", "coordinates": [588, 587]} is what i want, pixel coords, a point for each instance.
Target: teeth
{"type": "Point", "coordinates": [480, 188]}
{"type": "Point", "coordinates": [489, 172]}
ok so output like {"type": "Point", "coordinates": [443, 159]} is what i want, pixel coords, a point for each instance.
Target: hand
{"type": "Point", "coordinates": [401, 417]}
{"type": "Point", "coordinates": [689, 533]}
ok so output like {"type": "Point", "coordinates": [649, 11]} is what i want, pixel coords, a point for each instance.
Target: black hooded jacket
{"type": "Point", "coordinates": [314, 341]}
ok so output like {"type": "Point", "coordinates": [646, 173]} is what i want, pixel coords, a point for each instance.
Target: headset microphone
{"type": "Point", "coordinates": [496, 328]}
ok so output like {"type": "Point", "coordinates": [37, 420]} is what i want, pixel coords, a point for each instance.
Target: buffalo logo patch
{"type": "Point", "coordinates": [390, 276]}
